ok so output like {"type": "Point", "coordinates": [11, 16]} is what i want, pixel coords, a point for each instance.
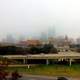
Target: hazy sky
{"type": "Point", "coordinates": [30, 17]}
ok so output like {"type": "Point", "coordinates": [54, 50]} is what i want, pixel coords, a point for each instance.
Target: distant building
{"type": "Point", "coordinates": [63, 43]}
{"type": "Point", "coordinates": [30, 43]}
{"type": "Point", "coordinates": [10, 39]}
{"type": "Point", "coordinates": [51, 32]}
{"type": "Point", "coordinates": [78, 40]}
{"type": "Point", "coordinates": [34, 42]}
{"type": "Point", "coordinates": [44, 36]}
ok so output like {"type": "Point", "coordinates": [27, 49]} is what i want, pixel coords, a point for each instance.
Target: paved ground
{"type": "Point", "coordinates": [37, 77]}
{"type": "Point", "coordinates": [31, 77]}
{"type": "Point", "coordinates": [41, 78]}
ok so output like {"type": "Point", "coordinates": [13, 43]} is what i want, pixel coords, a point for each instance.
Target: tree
{"type": "Point", "coordinates": [47, 48]}
{"type": "Point", "coordinates": [34, 50]}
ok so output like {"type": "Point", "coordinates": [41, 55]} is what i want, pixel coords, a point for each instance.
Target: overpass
{"type": "Point", "coordinates": [70, 56]}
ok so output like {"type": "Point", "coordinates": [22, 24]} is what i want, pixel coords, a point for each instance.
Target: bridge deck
{"type": "Point", "coordinates": [64, 55]}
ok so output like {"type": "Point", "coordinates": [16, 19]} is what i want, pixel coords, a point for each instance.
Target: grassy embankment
{"type": "Point", "coordinates": [50, 70]}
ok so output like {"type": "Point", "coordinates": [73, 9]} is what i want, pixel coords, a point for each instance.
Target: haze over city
{"type": "Point", "coordinates": [32, 17]}
{"type": "Point", "coordinates": [39, 39]}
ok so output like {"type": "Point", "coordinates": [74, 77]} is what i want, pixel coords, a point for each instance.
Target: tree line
{"type": "Point", "coordinates": [14, 50]}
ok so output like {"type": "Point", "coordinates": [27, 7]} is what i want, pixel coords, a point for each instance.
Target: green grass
{"type": "Point", "coordinates": [50, 70]}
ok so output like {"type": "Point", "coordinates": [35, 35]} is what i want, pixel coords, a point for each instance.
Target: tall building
{"type": "Point", "coordinates": [51, 32]}
{"type": "Point", "coordinates": [44, 36]}
{"type": "Point", "coordinates": [78, 40]}
{"type": "Point", "coordinates": [10, 39]}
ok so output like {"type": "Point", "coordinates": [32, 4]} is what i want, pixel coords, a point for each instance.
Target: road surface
{"type": "Point", "coordinates": [41, 78]}
{"type": "Point", "coordinates": [31, 77]}
{"type": "Point", "coordinates": [36, 77]}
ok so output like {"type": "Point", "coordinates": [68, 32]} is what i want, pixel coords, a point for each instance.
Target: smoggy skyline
{"type": "Point", "coordinates": [32, 17]}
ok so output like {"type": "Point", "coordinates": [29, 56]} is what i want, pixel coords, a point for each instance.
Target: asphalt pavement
{"type": "Point", "coordinates": [35, 77]}
{"type": "Point", "coordinates": [41, 78]}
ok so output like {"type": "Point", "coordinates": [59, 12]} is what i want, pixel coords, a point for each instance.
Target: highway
{"type": "Point", "coordinates": [70, 56]}
{"type": "Point", "coordinates": [65, 55]}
